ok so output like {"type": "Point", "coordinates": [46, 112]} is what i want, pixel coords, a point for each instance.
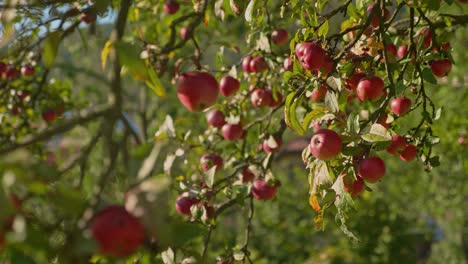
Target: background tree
{"type": "Point", "coordinates": [107, 157]}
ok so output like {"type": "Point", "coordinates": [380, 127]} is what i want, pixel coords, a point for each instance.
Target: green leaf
{"type": "Point", "coordinates": [314, 114]}
{"type": "Point", "coordinates": [155, 83]}
{"type": "Point", "coordinates": [290, 114]}
{"type": "Point", "coordinates": [323, 29]}
{"type": "Point", "coordinates": [331, 101]}
{"type": "Point", "coordinates": [428, 76]}
{"type": "Point", "coordinates": [377, 133]}
{"type": "Point", "coordinates": [129, 57]}
{"type": "Point", "coordinates": [210, 175]}
{"type": "Point", "coordinates": [51, 45]}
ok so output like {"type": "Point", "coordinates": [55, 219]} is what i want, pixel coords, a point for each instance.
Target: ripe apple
{"type": "Point", "coordinates": [10, 73]}
{"type": "Point", "coordinates": [261, 97]}
{"type": "Point", "coordinates": [49, 115]}
{"type": "Point", "coordinates": [185, 33]}
{"type": "Point", "coordinates": [116, 231]}
{"type": "Point", "coordinates": [279, 36]}
{"type": "Point", "coordinates": [426, 33]}
{"type": "Point", "coordinates": [353, 81]}
{"type": "Point", "coordinates": [275, 102]}
{"type": "Point", "coordinates": [171, 7]}
{"type": "Point", "coordinates": [313, 57]}
{"type": "Point", "coordinates": [184, 202]}
{"type": "Point", "coordinates": [3, 67]}
{"type": "Point", "coordinates": [246, 63]}
{"type": "Point", "coordinates": [288, 64]}
{"type": "Point", "coordinates": [326, 144]}
{"type": "Point", "coordinates": [197, 90]}
{"type": "Point", "coordinates": [372, 169]}
{"type": "Point", "coordinates": [400, 105]}
{"type": "Point", "coordinates": [258, 64]}
{"type": "Point", "coordinates": [216, 118]}
{"type": "Point", "coordinates": [377, 14]}
{"type": "Point", "coordinates": [261, 190]}
{"type": "Point", "coordinates": [318, 94]}
{"type": "Point", "coordinates": [398, 144]}
{"type": "Point", "coordinates": [207, 161]}
{"type": "Point", "coordinates": [409, 153]}
{"type": "Point", "coordinates": [247, 175]}
{"type": "Point", "coordinates": [371, 88]}
{"type": "Point", "coordinates": [402, 50]}
{"type": "Point", "coordinates": [232, 131]}
{"type": "Point", "coordinates": [229, 85]}
{"type": "Point", "coordinates": [272, 144]}
{"type": "Point", "coordinates": [327, 66]}
{"type": "Point", "coordinates": [27, 70]}
{"type": "Point", "coordinates": [352, 186]}
{"type": "Point", "coordinates": [441, 68]}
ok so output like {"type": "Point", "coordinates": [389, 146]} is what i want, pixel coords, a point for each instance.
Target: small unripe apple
{"type": "Point", "coordinates": [377, 14]}
{"type": "Point", "coordinates": [398, 145]}
{"type": "Point", "coordinates": [409, 153]}
{"type": "Point", "coordinates": [49, 115]}
{"type": "Point", "coordinates": [261, 190]}
{"type": "Point", "coordinates": [402, 50]}
{"type": "Point", "coordinates": [288, 64]}
{"type": "Point", "coordinates": [272, 144]}
{"type": "Point", "coordinates": [207, 161]}
{"type": "Point", "coordinates": [372, 169]}
{"type": "Point", "coordinates": [441, 68]}
{"type": "Point", "coordinates": [216, 118]}
{"type": "Point", "coordinates": [261, 97]}
{"type": "Point", "coordinates": [184, 202]}
{"type": "Point", "coordinates": [353, 81]}
{"type": "Point", "coordinates": [318, 94]}
{"type": "Point", "coordinates": [352, 186]}
{"type": "Point", "coordinates": [258, 64]}
{"type": "Point", "coordinates": [246, 63]}
{"type": "Point", "coordinates": [232, 131]}
{"type": "Point", "coordinates": [400, 105]}
{"type": "Point", "coordinates": [27, 71]}
{"type": "Point", "coordinates": [247, 175]}
{"type": "Point", "coordinates": [117, 232]}
{"type": "Point", "coordinates": [171, 7]}
{"type": "Point", "coordinates": [279, 36]}
{"type": "Point", "coordinates": [197, 90]}
{"type": "Point", "coordinates": [370, 88]}
{"type": "Point", "coordinates": [326, 144]}
{"type": "Point", "coordinates": [229, 85]}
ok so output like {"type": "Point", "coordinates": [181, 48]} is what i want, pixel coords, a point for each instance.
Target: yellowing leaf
{"type": "Point", "coordinates": [105, 53]}
{"type": "Point", "coordinates": [313, 202]}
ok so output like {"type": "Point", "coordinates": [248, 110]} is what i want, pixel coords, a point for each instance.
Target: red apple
{"type": "Point", "coordinates": [27, 71]}
{"type": "Point", "coordinates": [398, 144]}
{"type": "Point", "coordinates": [258, 64]}
{"type": "Point", "coordinates": [49, 115]}
{"type": "Point", "coordinates": [261, 190]}
{"type": "Point", "coordinates": [372, 169]}
{"type": "Point", "coordinates": [409, 153]}
{"type": "Point", "coordinates": [370, 88]}
{"type": "Point", "coordinates": [426, 33]}
{"type": "Point", "coordinates": [318, 94]}
{"type": "Point", "coordinates": [352, 186]}
{"type": "Point", "coordinates": [275, 102]}
{"type": "Point", "coordinates": [232, 132]}
{"type": "Point", "coordinates": [171, 7]}
{"type": "Point", "coordinates": [229, 85]}
{"type": "Point", "coordinates": [116, 231]}
{"type": "Point", "coordinates": [353, 81]}
{"type": "Point", "coordinates": [377, 14]}
{"type": "Point", "coordinates": [184, 203]}
{"type": "Point", "coordinates": [197, 90]}
{"type": "Point", "coordinates": [11, 72]}
{"type": "Point", "coordinates": [246, 64]}
{"type": "Point", "coordinates": [402, 50]}
{"type": "Point", "coordinates": [216, 118]}
{"type": "Point", "coordinates": [326, 144]}
{"type": "Point", "coordinates": [314, 57]}
{"type": "Point", "coordinates": [279, 36]}
{"type": "Point", "coordinates": [288, 64]}
{"type": "Point", "coordinates": [207, 161]}
{"type": "Point", "coordinates": [272, 144]}
{"type": "Point", "coordinates": [391, 52]}
{"type": "Point", "coordinates": [261, 97]}
{"type": "Point", "coordinates": [441, 68]}
{"type": "Point", "coordinates": [3, 67]}
{"type": "Point", "coordinates": [400, 105]}
{"type": "Point", "coordinates": [247, 175]}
